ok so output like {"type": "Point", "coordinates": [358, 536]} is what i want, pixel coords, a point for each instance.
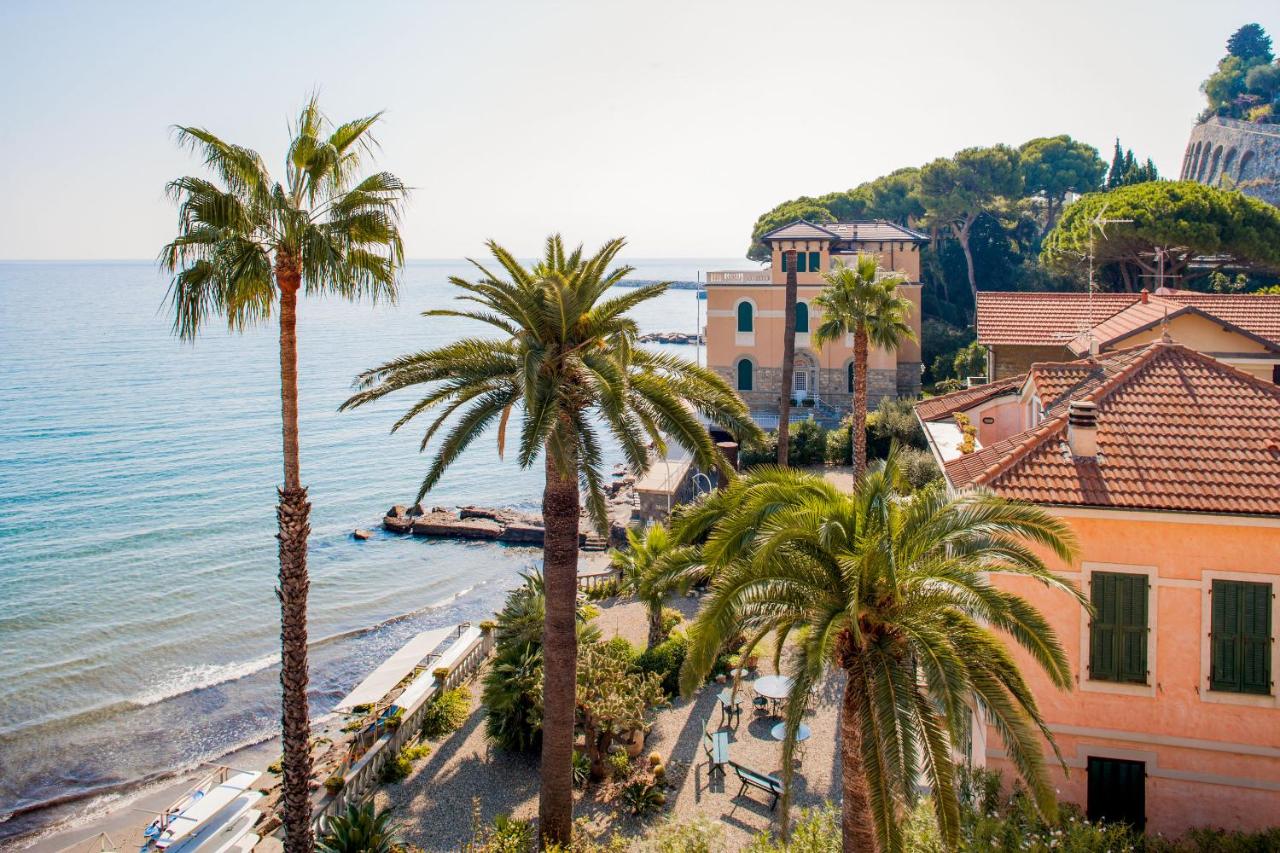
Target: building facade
{"type": "Point", "coordinates": [1165, 463]}
{"type": "Point", "coordinates": [745, 318]}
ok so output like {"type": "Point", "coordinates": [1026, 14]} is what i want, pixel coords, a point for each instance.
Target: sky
{"type": "Point", "coordinates": [674, 124]}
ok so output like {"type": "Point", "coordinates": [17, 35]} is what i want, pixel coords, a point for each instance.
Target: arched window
{"type": "Point", "coordinates": [802, 318]}
{"type": "Point", "coordinates": [850, 372]}
{"type": "Point", "coordinates": [746, 319]}
{"type": "Point", "coordinates": [746, 374]}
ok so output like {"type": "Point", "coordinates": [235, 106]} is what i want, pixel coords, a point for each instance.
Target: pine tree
{"type": "Point", "coordinates": [1116, 174]}
{"type": "Point", "coordinates": [1250, 42]}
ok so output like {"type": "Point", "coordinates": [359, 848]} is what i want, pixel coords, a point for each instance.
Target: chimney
{"type": "Point", "coordinates": [1082, 429]}
{"type": "Point", "coordinates": [1146, 295]}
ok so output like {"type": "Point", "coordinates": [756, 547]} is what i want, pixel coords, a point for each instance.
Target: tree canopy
{"type": "Point", "coordinates": [1246, 83]}
{"type": "Point", "coordinates": [1056, 165]}
{"type": "Point", "coordinates": [1200, 229]}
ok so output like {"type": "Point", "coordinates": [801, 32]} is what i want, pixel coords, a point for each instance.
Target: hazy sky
{"type": "Point", "coordinates": [673, 123]}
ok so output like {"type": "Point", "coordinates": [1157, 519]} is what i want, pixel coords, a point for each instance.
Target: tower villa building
{"type": "Point", "coordinates": [745, 318]}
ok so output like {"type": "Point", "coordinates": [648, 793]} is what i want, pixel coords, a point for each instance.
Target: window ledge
{"type": "Point", "coordinates": [1248, 700]}
{"type": "Point", "coordinates": [1118, 688]}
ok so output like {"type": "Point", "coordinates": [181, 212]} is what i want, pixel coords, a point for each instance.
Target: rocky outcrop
{"type": "Point", "coordinates": [671, 338]}
{"type": "Point", "coordinates": [449, 525]}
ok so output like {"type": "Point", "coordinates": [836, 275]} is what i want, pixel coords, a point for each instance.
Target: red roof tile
{"type": "Point", "coordinates": [945, 405]}
{"type": "Point", "coordinates": [1177, 430]}
{"type": "Point", "coordinates": [1046, 319]}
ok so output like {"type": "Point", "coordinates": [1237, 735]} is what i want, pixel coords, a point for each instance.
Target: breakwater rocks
{"type": "Point", "coordinates": [671, 338]}
{"type": "Point", "coordinates": [505, 525]}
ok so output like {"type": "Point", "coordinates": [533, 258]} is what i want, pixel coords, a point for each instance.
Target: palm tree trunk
{"type": "Point", "coordinates": [293, 515]}
{"type": "Point", "coordinates": [560, 515]}
{"type": "Point", "coordinates": [856, 823]}
{"type": "Point", "coordinates": [858, 431]}
{"type": "Point", "coordinates": [788, 358]}
{"type": "Point", "coordinates": [655, 626]}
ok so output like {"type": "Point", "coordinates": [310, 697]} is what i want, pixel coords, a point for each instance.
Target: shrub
{"type": "Point", "coordinates": [814, 831]}
{"type": "Point", "coordinates": [839, 450]}
{"type": "Point", "coordinates": [664, 660]}
{"type": "Point", "coordinates": [670, 619]}
{"type": "Point", "coordinates": [918, 467]}
{"type": "Point", "coordinates": [446, 712]}
{"type": "Point", "coordinates": [504, 835]}
{"type": "Point", "coordinates": [618, 763]}
{"type": "Point", "coordinates": [696, 835]}
{"type": "Point", "coordinates": [761, 452]}
{"type": "Point", "coordinates": [621, 648]}
{"type": "Point", "coordinates": [581, 769]}
{"type": "Point", "coordinates": [893, 420]}
{"type": "Point", "coordinates": [601, 590]}
{"type": "Point", "coordinates": [642, 797]}
{"type": "Point", "coordinates": [358, 830]}
{"type": "Point", "coordinates": [277, 766]}
{"type": "Point", "coordinates": [334, 783]}
{"type": "Point", "coordinates": [396, 770]}
{"type": "Point", "coordinates": [808, 443]}
{"type": "Point", "coordinates": [413, 753]}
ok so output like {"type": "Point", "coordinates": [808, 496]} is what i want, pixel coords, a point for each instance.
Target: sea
{"type": "Point", "coordinates": [139, 627]}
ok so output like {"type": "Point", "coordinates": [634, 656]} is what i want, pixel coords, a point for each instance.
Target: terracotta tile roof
{"type": "Point", "coordinates": [1045, 319]}
{"type": "Point", "coordinates": [878, 229]}
{"type": "Point", "coordinates": [1177, 430]}
{"type": "Point", "coordinates": [860, 231]}
{"type": "Point", "coordinates": [1259, 314]}
{"type": "Point", "coordinates": [1042, 319]}
{"type": "Point", "coordinates": [945, 405]}
{"type": "Point", "coordinates": [1057, 383]}
{"type": "Point", "coordinates": [801, 229]}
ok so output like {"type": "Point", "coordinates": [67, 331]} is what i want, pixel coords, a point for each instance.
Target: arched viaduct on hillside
{"type": "Point", "coordinates": [1235, 155]}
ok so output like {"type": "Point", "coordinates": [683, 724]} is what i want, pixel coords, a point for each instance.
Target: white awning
{"type": "Point", "coordinates": [394, 669]}
{"type": "Point", "coordinates": [448, 660]}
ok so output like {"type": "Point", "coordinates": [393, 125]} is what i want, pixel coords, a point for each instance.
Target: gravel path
{"type": "Point", "coordinates": [434, 805]}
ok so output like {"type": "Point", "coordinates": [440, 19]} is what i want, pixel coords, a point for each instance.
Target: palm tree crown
{"type": "Point", "coordinates": [862, 302]}
{"type": "Point", "coordinates": [649, 567]}
{"type": "Point", "coordinates": [335, 233]}
{"type": "Point", "coordinates": [568, 359]}
{"type": "Point", "coordinates": [891, 590]}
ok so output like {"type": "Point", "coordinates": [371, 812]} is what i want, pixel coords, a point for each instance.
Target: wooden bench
{"type": "Point", "coordinates": [751, 779]}
{"type": "Point", "coordinates": [716, 746]}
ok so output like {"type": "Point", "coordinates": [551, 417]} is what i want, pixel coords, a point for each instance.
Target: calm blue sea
{"type": "Point", "coordinates": [138, 624]}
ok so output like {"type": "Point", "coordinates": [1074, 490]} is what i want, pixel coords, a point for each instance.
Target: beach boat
{"type": "Point", "coordinates": [197, 807]}
{"type": "Point", "coordinates": [225, 831]}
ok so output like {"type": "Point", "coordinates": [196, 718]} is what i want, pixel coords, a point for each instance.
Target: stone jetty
{"type": "Point", "coordinates": [671, 338]}
{"type": "Point", "coordinates": [505, 525]}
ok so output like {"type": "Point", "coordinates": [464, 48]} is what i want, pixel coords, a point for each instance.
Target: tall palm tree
{"type": "Point", "coordinates": [246, 246]}
{"type": "Point", "coordinates": [646, 572]}
{"type": "Point", "coordinates": [861, 302]}
{"type": "Point", "coordinates": [892, 591]}
{"type": "Point", "coordinates": [567, 359]}
{"type": "Point", "coordinates": [788, 356]}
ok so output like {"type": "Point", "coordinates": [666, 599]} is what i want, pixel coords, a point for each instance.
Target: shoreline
{"type": "Point", "coordinates": [119, 812]}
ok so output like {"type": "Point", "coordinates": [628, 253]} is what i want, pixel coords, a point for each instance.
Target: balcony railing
{"type": "Point", "coordinates": [740, 277]}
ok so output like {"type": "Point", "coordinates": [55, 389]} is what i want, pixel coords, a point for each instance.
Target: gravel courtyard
{"type": "Point", "coordinates": [434, 805]}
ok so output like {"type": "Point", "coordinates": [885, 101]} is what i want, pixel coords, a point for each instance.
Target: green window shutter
{"type": "Point", "coordinates": [784, 261]}
{"type": "Point", "coordinates": [851, 377]}
{"type": "Point", "coordinates": [1118, 634]}
{"type": "Point", "coordinates": [1255, 638]}
{"type": "Point", "coordinates": [1133, 629]}
{"type": "Point", "coordinates": [802, 318]}
{"type": "Point", "coordinates": [1224, 635]}
{"type": "Point", "coordinates": [745, 320]}
{"type": "Point", "coordinates": [800, 258]}
{"type": "Point", "coordinates": [1240, 639]}
{"type": "Point", "coordinates": [815, 262]}
{"type": "Point", "coordinates": [744, 375]}
{"type": "Point", "coordinates": [1103, 665]}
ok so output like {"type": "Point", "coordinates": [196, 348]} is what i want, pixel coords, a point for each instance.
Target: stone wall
{"type": "Point", "coordinates": [908, 379]}
{"type": "Point", "coordinates": [1235, 154]}
{"type": "Point", "coordinates": [832, 384]}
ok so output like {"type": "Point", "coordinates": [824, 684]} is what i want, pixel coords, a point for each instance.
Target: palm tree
{"type": "Point", "coordinates": [567, 358]}
{"type": "Point", "coordinates": [862, 302]}
{"type": "Point", "coordinates": [246, 246]}
{"type": "Point", "coordinates": [645, 569]}
{"type": "Point", "coordinates": [788, 357]}
{"type": "Point", "coordinates": [891, 590]}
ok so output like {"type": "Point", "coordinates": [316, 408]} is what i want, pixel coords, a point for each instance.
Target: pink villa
{"type": "Point", "coordinates": [745, 318]}
{"type": "Point", "coordinates": [1166, 463]}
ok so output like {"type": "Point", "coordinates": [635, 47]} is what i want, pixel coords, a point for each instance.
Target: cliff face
{"type": "Point", "coordinates": [1237, 155]}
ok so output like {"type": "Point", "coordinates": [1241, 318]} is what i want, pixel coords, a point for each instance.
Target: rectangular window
{"type": "Point", "coordinates": [1117, 791]}
{"type": "Point", "coordinates": [1118, 633]}
{"type": "Point", "coordinates": [784, 261]}
{"type": "Point", "coordinates": [815, 262]}
{"type": "Point", "coordinates": [1240, 637]}
{"type": "Point", "coordinates": [800, 262]}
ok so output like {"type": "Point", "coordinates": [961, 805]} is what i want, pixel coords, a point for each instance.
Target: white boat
{"type": "Point", "coordinates": [223, 832]}
{"type": "Point", "coordinates": [198, 806]}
